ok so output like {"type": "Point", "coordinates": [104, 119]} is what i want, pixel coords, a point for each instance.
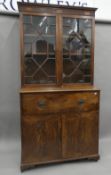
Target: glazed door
{"type": "Point", "coordinates": [41, 137]}
{"type": "Point", "coordinates": [77, 50]}
{"type": "Point", "coordinates": [39, 49]}
{"type": "Point", "coordinates": [80, 134]}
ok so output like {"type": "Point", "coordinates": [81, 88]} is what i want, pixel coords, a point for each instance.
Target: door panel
{"type": "Point", "coordinates": [39, 49]}
{"type": "Point", "coordinates": [80, 134]}
{"type": "Point", "coordinates": [41, 137]}
{"type": "Point", "coordinates": [77, 45]}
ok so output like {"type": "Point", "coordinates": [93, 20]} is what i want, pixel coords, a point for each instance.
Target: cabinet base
{"type": "Point", "coordinates": [94, 158]}
{"type": "Point", "coordinates": [26, 167]}
{"type": "Point", "coordinates": [34, 165]}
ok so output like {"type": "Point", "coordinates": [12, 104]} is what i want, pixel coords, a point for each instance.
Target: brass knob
{"type": "Point", "coordinates": [81, 101]}
{"type": "Point", "coordinates": [41, 103]}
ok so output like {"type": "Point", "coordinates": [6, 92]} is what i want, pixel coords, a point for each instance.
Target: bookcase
{"type": "Point", "coordinates": [59, 102]}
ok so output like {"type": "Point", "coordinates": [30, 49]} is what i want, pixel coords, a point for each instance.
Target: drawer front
{"type": "Point", "coordinates": [59, 101]}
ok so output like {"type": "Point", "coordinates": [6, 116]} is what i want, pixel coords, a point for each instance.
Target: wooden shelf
{"type": "Point", "coordinates": [48, 54]}
{"type": "Point", "coordinates": [39, 53]}
{"type": "Point", "coordinates": [36, 35]}
{"type": "Point", "coordinates": [75, 54]}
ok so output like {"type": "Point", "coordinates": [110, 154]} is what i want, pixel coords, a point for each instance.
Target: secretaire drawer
{"type": "Point", "coordinates": [34, 103]}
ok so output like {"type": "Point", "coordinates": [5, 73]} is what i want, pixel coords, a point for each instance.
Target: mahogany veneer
{"type": "Point", "coordinates": [59, 104]}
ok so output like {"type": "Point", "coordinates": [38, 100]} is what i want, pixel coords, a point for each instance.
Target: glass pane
{"type": "Point", "coordinates": [30, 66]}
{"type": "Point", "coordinates": [27, 19]}
{"type": "Point", "coordinates": [39, 49]}
{"type": "Point", "coordinates": [76, 50]}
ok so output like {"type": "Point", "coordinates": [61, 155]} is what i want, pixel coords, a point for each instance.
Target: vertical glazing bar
{"type": "Point", "coordinates": [59, 52]}
{"type": "Point", "coordinates": [22, 49]}
{"type": "Point", "coordinates": [92, 49]}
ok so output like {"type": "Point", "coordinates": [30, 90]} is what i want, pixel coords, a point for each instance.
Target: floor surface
{"type": "Point", "coordinates": [10, 162]}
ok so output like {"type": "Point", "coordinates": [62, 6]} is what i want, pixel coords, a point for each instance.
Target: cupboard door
{"type": "Point", "coordinates": [80, 134]}
{"type": "Point", "coordinates": [41, 136]}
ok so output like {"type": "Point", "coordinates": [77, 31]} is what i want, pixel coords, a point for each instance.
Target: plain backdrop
{"type": "Point", "coordinates": [10, 76]}
{"type": "Point", "coordinates": [10, 84]}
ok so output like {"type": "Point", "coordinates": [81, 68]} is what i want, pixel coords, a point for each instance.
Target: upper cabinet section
{"type": "Point", "coordinates": [57, 44]}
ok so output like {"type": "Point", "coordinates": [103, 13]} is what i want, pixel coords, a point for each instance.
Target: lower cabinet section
{"type": "Point", "coordinates": [49, 137]}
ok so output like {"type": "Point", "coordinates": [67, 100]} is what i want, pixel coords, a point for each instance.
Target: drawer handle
{"type": "Point", "coordinates": [81, 101]}
{"type": "Point", "coordinates": [41, 103]}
